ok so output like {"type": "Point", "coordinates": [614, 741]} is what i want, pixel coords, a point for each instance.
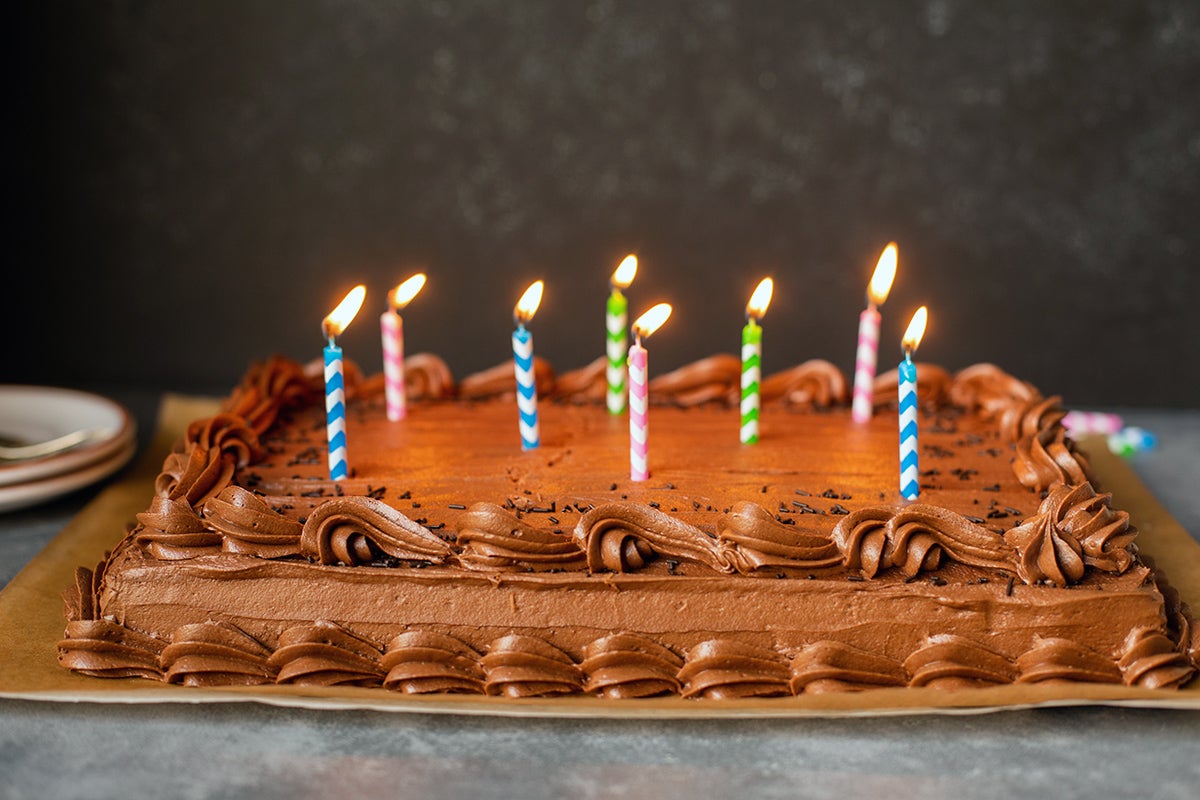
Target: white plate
{"type": "Point", "coordinates": [23, 495]}
{"type": "Point", "coordinates": [38, 413]}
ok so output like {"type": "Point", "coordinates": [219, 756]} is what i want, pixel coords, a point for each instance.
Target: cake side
{"type": "Point", "coordinates": [806, 574]}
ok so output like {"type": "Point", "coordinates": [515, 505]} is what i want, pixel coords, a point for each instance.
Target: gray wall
{"type": "Point", "coordinates": [192, 186]}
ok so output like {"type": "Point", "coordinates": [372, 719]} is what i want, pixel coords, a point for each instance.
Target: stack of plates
{"type": "Point", "coordinates": [31, 414]}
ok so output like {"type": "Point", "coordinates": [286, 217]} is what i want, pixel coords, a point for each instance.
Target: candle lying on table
{"type": "Point", "coordinates": [752, 360]}
{"type": "Point", "coordinates": [391, 327]}
{"type": "Point", "coordinates": [616, 317]}
{"type": "Point", "coordinates": [522, 343]}
{"type": "Point", "coordinates": [639, 395]}
{"type": "Point", "coordinates": [868, 335]}
{"type": "Point", "coordinates": [909, 470]}
{"type": "Point", "coordinates": [335, 381]}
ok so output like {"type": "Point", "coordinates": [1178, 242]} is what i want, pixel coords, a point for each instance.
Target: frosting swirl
{"type": "Point", "coordinates": [989, 390]}
{"type": "Point", "coordinates": [1054, 660]}
{"type": "Point", "coordinates": [1073, 528]}
{"type": "Point", "coordinates": [915, 539]}
{"type": "Point", "coordinates": [1153, 661]}
{"type": "Point", "coordinates": [491, 538]}
{"type": "Point", "coordinates": [814, 384]}
{"type": "Point", "coordinates": [215, 654]}
{"type": "Point", "coordinates": [1048, 457]}
{"type": "Point", "coordinates": [948, 661]}
{"type": "Point", "coordinates": [836, 667]}
{"type": "Point", "coordinates": [625, 665]}
{"type": "Point", "coordinates": [525, 666]}
{"type": "Point", "coordinates": [104, 649]}
{"type": "Point", "coordinates": [423, 662]}
{"type": "Point", "coordinates": [1031, 417]}
{"type": "Point", "coordinates": [268, 388]}
{"type": "Point", "coordinates": [721, 669]}
{"type": "Point", "coordinates": [325, 654]}
{"type": "Point", "coordinates": [760, 541]}
{"type": "Point", "coordinates": [712, 379]}
{"type": "Point", "coordinates": [251, 527]}
{"type": "Point", "coordinates": [584, 385]}
{"type": "Point", "coordinates": [622, 537]}
{"type": "Point", "coordinates": [204, 463]}
{"type": "Point", "coordinates": [356, 530]}
{"type": "Point", "coordinates": [171, 530]}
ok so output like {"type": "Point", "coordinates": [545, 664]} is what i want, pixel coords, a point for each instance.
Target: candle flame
{"type": "Point", "coordinates": [885, 273]}
{"type": "Point", "coordinates": [915, 330]}
{"type": "Point", "coordinates": [527, 306]}
{"type": "Point", "coordinates": [652, 320]}
{"type": "Point", "coordinates": [623, 275]}
{"type": "Point", "coordinates": [341, 317]}
{"type": "Point", "coordinates": [761, 298]}
{"type": "Point", "coordinates": [403, 294]}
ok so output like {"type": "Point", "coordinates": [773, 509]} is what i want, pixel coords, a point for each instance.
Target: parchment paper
{"type": "Point", "coordinates": [31, 623]}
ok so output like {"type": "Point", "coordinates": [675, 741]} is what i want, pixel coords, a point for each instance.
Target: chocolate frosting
{"type": "Point", "coordinates": [500, 381]}
{"type": "Point", "coordinates": [493, 539]}
{"type": "Point", "coordinates": [424, 662]}
{"type": "Point", "coordinates": [325, 654]}
{"type": "Point", "coordinates": [933, 386]}
{"type": "Point", "coordinates": [357, 530]}
{"type": "Point", "coordinates": [215, 654]}
{"type": "Point", "coordinates": [526, 666]}
{"type": "Point", "coordinates": [251, 527]}
{"type": "Point", "coordinates": [722, 669]}
{"type": "Point", "coordinates": [626, 665]}
{"type": "Point", "coordinates": [667, 570]}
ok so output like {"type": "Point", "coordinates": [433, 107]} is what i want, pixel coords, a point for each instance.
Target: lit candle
{"type": "Point", "coordinates": [522, 342]}
{"type": "Point", "coordinates": [639, 406]}
{"type": "Point", "coordinates": [868, 335]}
{"type": "Point", "coordinates": [616, 318]}
{"type": "Point", "coordinates": [909, 486]}
{"type": "Point", "coordinates": [335, 381]}
{"type": "Point", "coordinates": [391, 327]}
{"type": "Point", "coordinates": [752, 359]}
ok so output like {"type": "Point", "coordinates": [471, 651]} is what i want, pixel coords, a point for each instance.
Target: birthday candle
{"type": "Point", "coordinates": [639, 399]}
{"type": "Point", "coordinates": [616, 317]}
{"type": "Point", "coordinates": [335, 381]}
{"type": "Point", "coordinates": [392, 333]}
{"type": "Point", "coordinates": [522, 343]}
{"type": "Point", "coordinates": [868, 335]}
{"type": "Point", "coordinates": [752, 360]}
{"type": "Point", "coordinates": [909, 471]}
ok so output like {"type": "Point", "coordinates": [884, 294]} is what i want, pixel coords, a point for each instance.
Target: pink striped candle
{"type": "Point", "coordinates": [639, 395]}
{"type": "Point", "coordinates": [391, 327]}
{"type": "Point", "coordinates": [868, 335]}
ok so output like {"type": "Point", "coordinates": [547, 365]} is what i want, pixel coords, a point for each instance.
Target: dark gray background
{"type": "Point", "coordinates": [192, 186]}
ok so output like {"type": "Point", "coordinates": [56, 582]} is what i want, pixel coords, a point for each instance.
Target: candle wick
{"type": "Point", "coordinates": [908, 355]}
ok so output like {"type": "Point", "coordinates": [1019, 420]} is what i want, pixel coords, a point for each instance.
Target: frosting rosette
{"type": "Point", "coordinates": [1049, 457]}
{"type": "Point", "coordinates": [761, 541]}
{"type": "Point", "coordinates": [204, 463]}
{"type": "Point", "coordinates": [948, 661]}
{"type": "Point", "coordinates": [838, 667]}
{"type": "Point", "coordinates": [1074, 528]}
{"type": "Point", "coordinates": [268, 388]}
{"type": "Point", "coordinates": [989, 390]}
{"type": "Point", "coordinates": [587, 384]}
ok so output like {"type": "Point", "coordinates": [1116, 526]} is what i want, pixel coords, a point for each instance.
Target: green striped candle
{"type": "Point", "coordinates": [616, 318]}
{"type": "Point", "coordinates": [752, 360]}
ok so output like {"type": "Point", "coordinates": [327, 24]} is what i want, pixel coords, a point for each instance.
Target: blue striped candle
{"type": "Point", "coordinates": [335, 412]}
{"type": "Point", "coordinates": [907, 386]}
{"type": "Point", "coordinates": [527, 401]}
{"type": "Point", "coordinates": [908, 429]}
{"type": "Point", "coordinates": [522, 344]}
{"type": "Point", "coordinates": [335, 381]}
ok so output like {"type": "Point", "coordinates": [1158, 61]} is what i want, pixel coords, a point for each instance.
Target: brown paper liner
{"type": "Point", "coordinates": [32, 622]}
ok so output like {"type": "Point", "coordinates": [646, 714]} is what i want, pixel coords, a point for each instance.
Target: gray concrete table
{"type": "Point", "coordinates": [234, 750]}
